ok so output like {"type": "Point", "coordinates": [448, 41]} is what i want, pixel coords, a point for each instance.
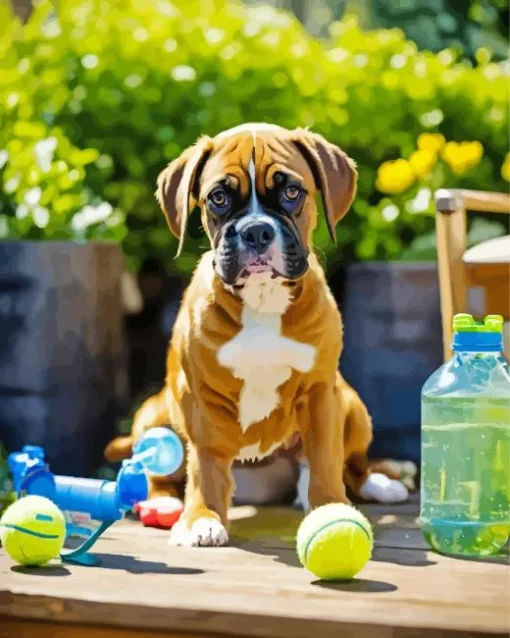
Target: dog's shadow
{"type": "Point", "coordinates": [133, 565]}
{"type": "Point", "coordinates": [122, 562]}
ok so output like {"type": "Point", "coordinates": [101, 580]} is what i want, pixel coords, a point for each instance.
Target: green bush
{"type": "Point", "coordinates": [393, 94]}
{"type": "Point", "coordinates": [44, 195]}
{"type": "Point", "coordinates": [123, 86]}
{"type": "Point", "coordinates": [436, 24]}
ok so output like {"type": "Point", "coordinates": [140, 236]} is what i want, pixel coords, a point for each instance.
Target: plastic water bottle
{"type": "Point", "coordinates": [465, 482]}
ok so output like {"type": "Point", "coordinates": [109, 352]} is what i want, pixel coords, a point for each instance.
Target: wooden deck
{"type": "Point", "coordinates": [256, 587]}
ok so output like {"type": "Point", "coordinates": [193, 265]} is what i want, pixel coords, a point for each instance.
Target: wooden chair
{"type": "Point", "coordinates": [485, 266]}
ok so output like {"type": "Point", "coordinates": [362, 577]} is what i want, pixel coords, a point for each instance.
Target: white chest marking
{"type": "Point", "coordinates": [259, 354]}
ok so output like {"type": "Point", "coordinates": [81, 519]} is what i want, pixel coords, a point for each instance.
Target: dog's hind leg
{"type": "Point", "coordinates": [404, 471]}
{"type": "Point", "coordinates": [152, 413]}
{"type": "Point", "coordinates": [366, 480]}
{"type": "Point", "coordinates": [357, 439]}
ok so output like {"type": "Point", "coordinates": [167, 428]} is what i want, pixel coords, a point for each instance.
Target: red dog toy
{"type": "Point", "coordinates": [163, 511]}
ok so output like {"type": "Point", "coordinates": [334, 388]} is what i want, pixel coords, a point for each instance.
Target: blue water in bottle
{"type": "Point", "coordinates": [465, 482]}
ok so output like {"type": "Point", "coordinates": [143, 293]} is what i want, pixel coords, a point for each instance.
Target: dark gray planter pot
{"type": "Point", "coordinates": [62, 364]}
{"type": "Point", "coordinates": [392, 344]}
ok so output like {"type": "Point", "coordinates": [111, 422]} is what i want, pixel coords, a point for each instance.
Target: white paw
{"type": "Point", "coordinates": [380, 488]}
{"type": "Point", "coordinates": [205, 532]}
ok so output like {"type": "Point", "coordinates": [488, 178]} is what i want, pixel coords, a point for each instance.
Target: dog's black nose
{"type": "Point", "coordinates": [258, 236]}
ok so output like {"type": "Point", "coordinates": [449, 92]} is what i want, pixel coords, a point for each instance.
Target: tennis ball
{"type": "Point", "coordinates": [335, 542]}
{"type": "Point", "coordinates": [32, 530]}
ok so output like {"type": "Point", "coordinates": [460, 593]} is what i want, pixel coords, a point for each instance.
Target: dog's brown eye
{"type": "Point", "coordinates": [218, 198]}
{"type": "Point", "coordinates": [292, 192]}
{"type": "Point", "coordinates": [219, 201]}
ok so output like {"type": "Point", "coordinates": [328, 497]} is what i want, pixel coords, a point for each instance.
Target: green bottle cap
{"type": "Point", "coordinates": [463, 322]}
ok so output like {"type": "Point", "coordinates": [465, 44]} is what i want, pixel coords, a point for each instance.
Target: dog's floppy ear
{"type": "Point", "coordinates": [178, 186]}
{"type": "Point", "coordinates": [334, 172]}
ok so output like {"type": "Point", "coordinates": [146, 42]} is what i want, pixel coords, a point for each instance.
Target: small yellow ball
{"type": "Point", "coordinates": [335, 542]}
{"type": "Point", "coordinates": [32, 530]}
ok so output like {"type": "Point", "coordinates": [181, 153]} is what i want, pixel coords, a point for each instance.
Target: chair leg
{"type": "Point", "coordinates": [451, 246]}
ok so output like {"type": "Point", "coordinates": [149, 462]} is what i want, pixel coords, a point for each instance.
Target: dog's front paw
{"type": "Point", "coordinates": [205, 532]}
{"type": "Point", "coordinates": [380, 488]}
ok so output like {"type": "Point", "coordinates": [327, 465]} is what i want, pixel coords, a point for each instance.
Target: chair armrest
{"type": "Point", "coordinates": [448, 200]}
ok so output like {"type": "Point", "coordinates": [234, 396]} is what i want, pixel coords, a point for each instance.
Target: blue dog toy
{"type": "Point", "coordinates": [90, 506]}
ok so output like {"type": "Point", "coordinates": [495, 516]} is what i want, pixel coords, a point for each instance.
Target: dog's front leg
{"type": "Point", "coordinates": [208, 494]}
{"type": "Point", "coordinates": [321, 424]}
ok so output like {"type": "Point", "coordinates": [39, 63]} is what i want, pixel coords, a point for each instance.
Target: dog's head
{"type": "Point", "coordinates": [256, 186]}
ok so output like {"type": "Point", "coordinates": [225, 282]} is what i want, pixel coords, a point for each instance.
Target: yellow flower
{"type": "Point", "coordinates": [505, 169]}
{"type": "Point", "coordinates": [462, 156]}
{"type": "Point", "coordinates": [422, 162]}
{"type": "Point", "coordinates": [452, 155]}
{"type": "Point", "coordinates": [432, 142]}
{"type": "Point", "coordinates": [473, 151]}
{"type": "Point", "coordinates": [395, 177]}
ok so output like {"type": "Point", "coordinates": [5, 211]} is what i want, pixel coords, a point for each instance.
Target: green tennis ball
{"type": "Point", "coordinates": [32, 530]}
{"type": "Point", "coordinates": [335, 542]}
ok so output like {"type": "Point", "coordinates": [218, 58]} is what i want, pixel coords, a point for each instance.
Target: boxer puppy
{"type": "Point", "coordinates": [254, 354]}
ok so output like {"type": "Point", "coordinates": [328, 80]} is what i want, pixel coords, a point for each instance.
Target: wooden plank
{"type": "Point", "coordinates": [484, 201]}
{"type": "Point", "coordinates": [451, 205]}
{"type": "Point", "coordinates": [495, 280]}
{"type": "Point", "coordinates": [257, 588]}
{"type": "Point", "coordinates": [10, 628]}
{"type": "Point", "coordinates": [451, 245]}
{"type": "Point", "coordinates": [449, 199]}
{"type": "Point", "coordinates": [250, 626]}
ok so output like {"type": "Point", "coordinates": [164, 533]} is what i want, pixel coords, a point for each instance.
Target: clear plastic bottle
{"type": "Point", "coordinates": [465, 475]}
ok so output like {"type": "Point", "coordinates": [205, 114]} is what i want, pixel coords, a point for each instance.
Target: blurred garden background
{"type": "Point", "coordinates": [96, 96]}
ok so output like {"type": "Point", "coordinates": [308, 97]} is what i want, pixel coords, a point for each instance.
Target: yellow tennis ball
{"type": "Point", "coordinates": [32, 530]}
{"type": "Point", "coordinates": [335, 542]}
